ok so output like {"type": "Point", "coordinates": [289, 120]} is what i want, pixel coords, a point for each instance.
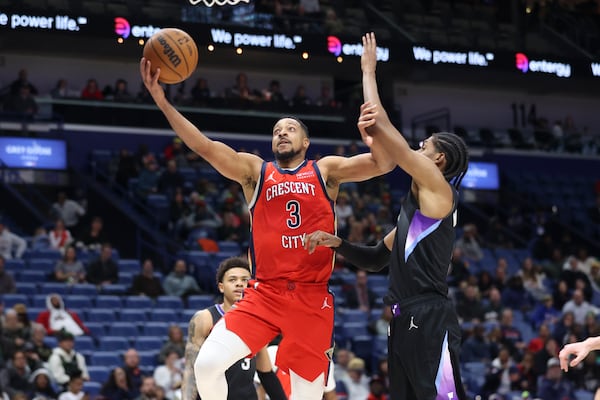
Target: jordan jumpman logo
{"type": "Point", "coordinates": [412, 323]}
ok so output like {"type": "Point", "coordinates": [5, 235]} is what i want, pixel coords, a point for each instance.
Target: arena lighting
{"type": "Point", "coordinates": [141, 42]}
{"type": "Point", "coordinates": [305, 55]}
{"type": "Point", "coordinates": [211, 47]}
{"type": "Point", "coordinates": [239, 50]}
{"type": "Point", "coordinates": [339, 59]}
{"type": "Point", "coordinates": [120, 40]}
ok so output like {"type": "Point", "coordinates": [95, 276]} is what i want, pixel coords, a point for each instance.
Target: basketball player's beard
{"type": "Point", "coordinates": [286, 156]}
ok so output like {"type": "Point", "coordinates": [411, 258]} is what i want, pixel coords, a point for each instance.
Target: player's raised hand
{"type": "Point", "coordinates": [151, 79]}
{"type": "Point", "coordinates": [367, 118]}
{"type": "Point", "coordinates": [368, 60]}
{"type": "Point", "coordinates": [320, 238]}
{"type": "Point", "coordinates": [579, 349]}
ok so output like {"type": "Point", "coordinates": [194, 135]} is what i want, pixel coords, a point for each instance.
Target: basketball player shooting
{"type": "Point", "coordinates": [287, 199]}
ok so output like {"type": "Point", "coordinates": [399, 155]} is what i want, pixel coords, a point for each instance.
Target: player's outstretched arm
{"type": "Point", "coordinates": [231, 164]}
{"type": "Point", "coordinates": [579, 349]}
{"type": "Point", "coordinates": [198, 330]}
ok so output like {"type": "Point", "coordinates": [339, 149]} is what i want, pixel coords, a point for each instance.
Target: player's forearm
{"type": "Point", "coordinates": [593, 343]}
{"type": "Point", "coordinates": [189, 391]}
{"type": "Point", "coordinates": [370, 258]}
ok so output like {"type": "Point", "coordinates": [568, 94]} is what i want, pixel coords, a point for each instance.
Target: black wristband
{"type": "Point", "coordinates": [272, 385]}
{"type": "Point", "coordinates": [369, 258]}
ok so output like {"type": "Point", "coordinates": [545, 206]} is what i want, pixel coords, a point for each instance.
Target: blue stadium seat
{"type": "Point", "coordinates": [10, 299]}
{"type": "Point", "coordinates": [107, 359]}
{"type": "Point", "coordinates": [354, 315]}
{"type": "Point", "coordinates": [123, 329]}
{"type": "Point", "coordinates": [14, 265]}
{"type": "Point", "coordinates": [138, 302]}
{"type": "Point", "coordinates": [229, 246]}
{"type": "Point", "coordinates": [172, 302]}
{"type": "Point", "coordinates": [125, 278]}
{"type": "Point", "coordinates": [159, 206]}
{"type": "Point", "coordinates": [362, 346]}
{"type": "Point", "coordinates": [164, 315]}
{"type": "Point", "coordinates": [133, 315]}
{"type": "Point", "coordinates": [86, 289]}
{"type": "Point", "coordinates": [28, 276]}
{"type": "Point", "coordinates": [39, 300]}
{"type": "Point", "coordinates": [200, 301]}
{"type": "Point", "coordinates": [84, 343]}
{"type": "Point", "coordinates": [98, 373]}
{"type": "Point", "coordinates": [352, 329]}
{"type": "Point", "coordinates": [155, 329]}
{"type": "Point", "coordinates": [189, 174]}
{"type": "Point", "coordinates": [377, 281]}
{"type": "Point", "coordinates": [147, 343]}
{"type": "Point", "coordinates": [92, 388]}
{"type": "Point", "coordinates": [78, 301]}
{"type": "Point", "coordinates": [114, 289]}
{"type": "Point", "coordinates": [187, 314]}
{"type": "Point", "coordinates": [130, 265]}
{"type": "Point", "coordinates": [41, 264]}
{"type": "Point", "coordinates": [46, 254]}
{"type": "Point", "coordinates": [581, 394]}
{"type": "Point", "coordinates": [197, 258]}
{"type": "Point", "coordinates": [105, 315]}
{"type": "Point", "coordinates": [113, 343]}
{"type": "Point", "coordinates": [108, 301]}
{"type": "Point", "coordinates": [50, 341]}
{"type": "Point", "coordinates": [33, 312]}
{"type": "Point", "coordinates": [54, 287]}
{"type": "Point", "coordinates": [27, 288]}
{"type": "Point", "coordinates": [97, 328]}
{"type": "Point", "coordinates": [149, 357]}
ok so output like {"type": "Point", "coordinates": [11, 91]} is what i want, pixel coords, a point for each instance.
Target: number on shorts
{"type": "Point", "coordinates": [245, 364]}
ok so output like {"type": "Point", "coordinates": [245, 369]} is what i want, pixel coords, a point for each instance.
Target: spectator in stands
{"type": "Point", "coordinates": [170, 179]}
{"type": "Point", "coordinates": [500, 278]}
{"type": "Point", "coordinates": [202, 216]}
{"type": "Point", "coordinates": [537, 343]}
{"type": "Point", "coordinates": [22, 103]}
{"type": "Point", "coordinates": [126, 168]}
{"type": "Point", "coordinates": [7, 281]}
{"type": "Point", "coordinates": [65, 361]}
{"type": "Point", "coordinates": [300, 100]}
{"type": "Point", "coordinates": [145, 283]}
{"type": "Point", "coordinates": [170, 374]}
{"type": "Point", "coordinates": [342, 358]}
{"type": "Point", "coordinates": [552, 386]}
{"type": "Point", "coordinates": [178, 151]}
{"type": "Point", "coordinates": [103, 270]}
{"type": "Point", "coordinates": [179, 211]}
{"type": "Point", "coordinates": [533, 279]}
{"type": "Point", "coordinates": [232, 228]}
{"type": "Point", "coordinates": [38, 333]}
{"type": "Point", "coordinates": [470, 243]}
{"type": "Point", "coordinates": [179, 283]}
{"type": "Point", "coordinates": [381, 325]}
{"type": "Point", "coordinates": [241, 93]}
{"type": "Point", "coordinates": [273, 94]}
{"type": "Point", "coordinates": [469, 307]}
{"type": "Point", "coordinates": [492, 311]}
{"type": "Point", "coordinates": [11, 245]}
{"type": "Point", "coordinates": [41, 385]}
{"type": "Point", "coordinates": [74, 388]}
{"type": "Point", "coordinates": [69, 269]}
{"type": "Point", "coordinates": [484, 282]}
{"type": "Point", "coordinates": [15, 377]}
{"type": "Point", "coordinates": [511, 337]}
{"type": "Point", "coordinates": [61, 90]}
{"type": "Point", "coordinates": [497, 381]}
{"type": "Point", "coordinates": [117, 387]}
{"type": "Point", "coordinates": [545, 313]}
{"type": "Point", "coordinates": [22, 80]}
{"type": "Point", "coordinates": [201, 93]}
{"type": "Point", "coordinates": [360, 295]}
{"type": "Point", "coordinates": [459, 270]}
{"type": "Point", "coordinates": [515, 296]}
{"type": "Point", "coordinates": [131, 366]}
{"type": "Point", "coordinates": [57, 318]}
{"type": "Point", "coordinates": [60, 237]}
{"type": "Point", "coordinates": [121, 92]}
{"type": "Point", "coordinates": [91, 91]}
{"type": "Point", "coordinates": [175, 342]}
{"type": "Point", "coordinates": [541, 358]}
{"type": "Point", "coordinates": [23, 321]}
{"type": "Point", "coordinates": [579, 307]}
{"type": "Point", "coordinates": [40, 239]}
{"type": "Point", "coordinates": [149, 390]}
{"type": "Point", "coordinates": [476, 348]}
{"type": "Point", "coordinates": [333, 25]}
{"type": "Point", "coordinates": [93, 237]}
{"type": "Point", "coordinates": [357, 381]}
{"type": "Point", "coordinates": [13, 331]}
{"type": "Point", "coordinates": [561, 295]}
{"type": "Point", "coordinates": [147, 179]}
{"type": "Point", "coordinates": [377, 389]}
{"type": "Point", "coordinates": [326, 99]}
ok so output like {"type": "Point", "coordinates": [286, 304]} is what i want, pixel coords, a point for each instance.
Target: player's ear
{"type": "Point", "coordinates": [221, 288]}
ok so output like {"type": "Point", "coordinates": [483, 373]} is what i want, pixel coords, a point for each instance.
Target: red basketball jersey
{"type": "Point", "coordinates": [288, 205]}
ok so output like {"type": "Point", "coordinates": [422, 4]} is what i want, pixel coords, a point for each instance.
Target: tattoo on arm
{"type": "Point", "coordinates": [189, 390]}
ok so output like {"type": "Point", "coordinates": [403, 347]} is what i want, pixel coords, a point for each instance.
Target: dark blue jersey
{"type": "Point", "coordinates": [421, 252]}
{"type": "Point", "coordinates": [240, 376]}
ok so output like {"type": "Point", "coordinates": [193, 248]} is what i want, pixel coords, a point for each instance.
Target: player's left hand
{"type": "Point", "coordinates": [579, 349]}
{"type": "Point", "coordinates": [368, 59]}
{"type": "Point", "coordinates": [320, 238]}
{"type": "Point", "coordinates": [367, 118]}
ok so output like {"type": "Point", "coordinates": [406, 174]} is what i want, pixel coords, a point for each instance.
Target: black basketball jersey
{"type": "Point", "coordinates": [421, 252]}
{"type": "Point", "coordinates": [240, 376]}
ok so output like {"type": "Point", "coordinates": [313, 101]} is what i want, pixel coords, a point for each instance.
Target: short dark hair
{"type": "Point", "coordinates": [299, 121]}
{"type": "Point", "coordinates": [232, 262]}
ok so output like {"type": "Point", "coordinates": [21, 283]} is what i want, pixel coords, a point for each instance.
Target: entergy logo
{"type": "Point", "coordinates": [595, 69]}
{"type": "Point", "coordinates": [334, 45]}
{"type": "Point", "coordinates": [122, 27]}
{"type": "Point", "coordinates": [522, 62]}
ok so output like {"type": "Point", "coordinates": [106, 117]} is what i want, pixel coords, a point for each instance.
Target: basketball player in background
{"type": "Point", "coordinates": [424, 341]}
{"type": "Point", "coordinates": [233, 275]}
{"type": "Point", "coordinates": [287, 198]}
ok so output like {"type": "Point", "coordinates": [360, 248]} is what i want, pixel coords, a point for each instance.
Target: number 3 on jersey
{"type": "Point", "coordinates": [293, 207]}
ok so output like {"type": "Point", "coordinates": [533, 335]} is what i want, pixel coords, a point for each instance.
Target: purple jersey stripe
{"type": "Point", "coordinates": [444, 380]}
{"type": "Point", "coordinates": [420, 227]}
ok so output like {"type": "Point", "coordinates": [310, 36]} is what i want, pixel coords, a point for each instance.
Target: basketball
{"type": "Point", "coordinates": [174, 52]}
